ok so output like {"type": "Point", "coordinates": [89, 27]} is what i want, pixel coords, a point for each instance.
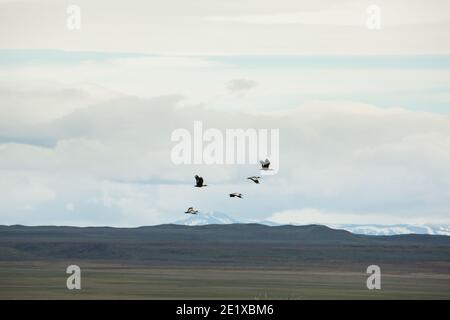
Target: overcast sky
{"type": "Point", "coordinates": [86, 115]}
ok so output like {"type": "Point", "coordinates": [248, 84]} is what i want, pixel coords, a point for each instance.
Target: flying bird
{"type": "Point", "coordinates": [265, 164]}
{"type": "Point", "coordinates": [235, 194]}
{"type": "Point", "coordinates": [254, 179]}
{"type": "Point", "coordinates": [199, 182]}
{"type": "Point", "coordinates": [191, 210]}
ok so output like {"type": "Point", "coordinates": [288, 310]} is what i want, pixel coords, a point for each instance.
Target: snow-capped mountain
{"type": "Point", "coordinates": [374, 229]}
{"type": "Point", "coordinates": [386, 230]}
{"type": "Point", "coordinates": [206, 218]}
{"type": "Point", "coordinates": [216, 217]}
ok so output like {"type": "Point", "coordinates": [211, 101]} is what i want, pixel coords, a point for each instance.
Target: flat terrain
{"type": "Point", "coordinates": [102, 281]}
{"type": "Point", "coordinates": [219, 262]}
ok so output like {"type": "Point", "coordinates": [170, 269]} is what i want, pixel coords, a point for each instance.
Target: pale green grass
{"type": "Point", "coordinates": [107, 281]}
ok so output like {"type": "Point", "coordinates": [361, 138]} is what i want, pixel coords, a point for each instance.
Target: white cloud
{"type": "Point", "coordinates": [67, 138]}
{"type": "Point", "coordinates": [113, 161]}
{"type": "Point", "coordinates": [39, 92]}
{"type": "Point", "coordinates": [350, 13]}
{"type": "Point", "coordinates": [316, 216]}
{"type": "Point", "coordinates": [240, 86]}
{"type": "Point", "coordinates": [214, 27]}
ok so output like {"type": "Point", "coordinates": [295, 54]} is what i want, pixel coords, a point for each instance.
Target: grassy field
{"type": "Point", "coordinates": [219, 262]}
{"type": "Point", "coordinates": [41, 280]}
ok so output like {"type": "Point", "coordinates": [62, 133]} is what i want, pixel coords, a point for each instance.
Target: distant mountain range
{"type": "Point", "coordinates": [221, 245]}
{"type": "Point", "coordinates": [366, 229]}
{"type": "Point", "coordinates": [386, 230]}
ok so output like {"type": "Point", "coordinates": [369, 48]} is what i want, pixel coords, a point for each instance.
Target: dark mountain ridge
{"type": "Point", "coordinates": [307, 234]}
{"type": "Point", "coordinates": [224, 245]}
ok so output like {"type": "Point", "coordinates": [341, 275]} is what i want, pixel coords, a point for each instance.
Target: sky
{"type": "Point", "coordinates": [86, 115]}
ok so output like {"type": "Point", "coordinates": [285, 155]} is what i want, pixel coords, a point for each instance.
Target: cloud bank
{"type": "Point", "coordinates": [108, 162]}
